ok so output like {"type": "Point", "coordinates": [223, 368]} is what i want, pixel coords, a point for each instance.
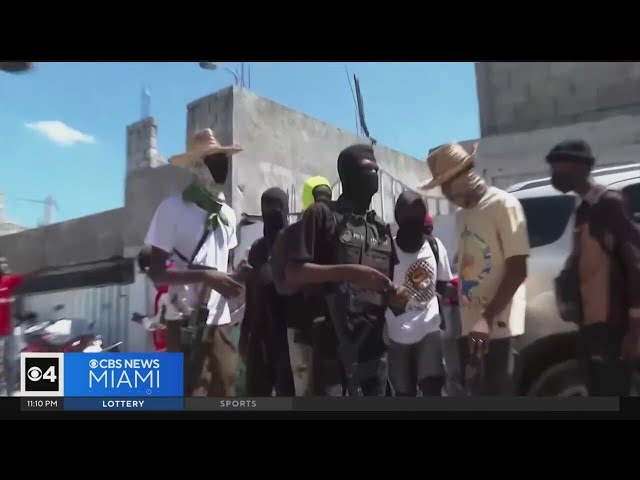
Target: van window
{"type": "Point", "coordinates": [632, 194]}
{"type": "Point", "coordinates": [547, 218]}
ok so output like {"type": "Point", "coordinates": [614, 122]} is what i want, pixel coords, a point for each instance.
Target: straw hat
{"type": "Point", "coordinates": [446, 162]}
{"type": "Point", "coordinates": [201, 144]}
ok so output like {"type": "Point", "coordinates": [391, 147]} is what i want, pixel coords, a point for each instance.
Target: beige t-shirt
{"type": "Point", "coordinates": [489, 233]}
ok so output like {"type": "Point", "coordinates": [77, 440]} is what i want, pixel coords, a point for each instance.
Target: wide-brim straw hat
{"type": "Point", "coordinates": [201, 144]}
{"type": "Point", "coordinates": [445, 162]}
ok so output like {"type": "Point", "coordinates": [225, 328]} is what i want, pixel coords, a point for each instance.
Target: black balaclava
{"type": "Point", "coordinates": [410, 213]}
{"type": "Point", "coordinates": [218, 165]}
{"type": "Point", "coordinates": [275, 212]}
{"type": "Point", "coordinates": [322, 193]}
{"type": "Point", "coordinates": [359, 184]}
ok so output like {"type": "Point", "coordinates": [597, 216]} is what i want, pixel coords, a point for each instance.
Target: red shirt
{"type": "Point", "coordinates": [159, 336]}
{"type": "Point", "coordinates": [8, 284]}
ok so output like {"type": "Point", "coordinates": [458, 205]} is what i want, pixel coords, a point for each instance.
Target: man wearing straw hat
{"type": "Point", "coordinates": [196, 228]}
{"type": "Point", "coordinates": [493, 247]}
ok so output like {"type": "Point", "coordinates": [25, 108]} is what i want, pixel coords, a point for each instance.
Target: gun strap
{"type": "Point", "coordinates": [203, 238]}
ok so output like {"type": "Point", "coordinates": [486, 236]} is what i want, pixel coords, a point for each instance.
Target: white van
{"type": "Point", "coordinates": [546, 363]}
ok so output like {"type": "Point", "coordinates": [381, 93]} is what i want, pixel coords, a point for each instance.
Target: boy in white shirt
{"type": "Point", "coordinates": [415, 346]}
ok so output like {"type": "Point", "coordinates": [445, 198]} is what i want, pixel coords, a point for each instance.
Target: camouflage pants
{"type": "Point", "coordinates": [219, 367]}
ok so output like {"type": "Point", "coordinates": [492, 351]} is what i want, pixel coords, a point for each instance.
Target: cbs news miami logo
{"type": "Point", "coordinates": [101, 374]}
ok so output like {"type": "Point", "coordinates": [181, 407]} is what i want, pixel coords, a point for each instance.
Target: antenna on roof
{"type": "Point", "coordinates": [355, 102]}
{"type": "Point", "coordinates": [145, 102]}
{"type": "Point", "coordinates": [360, 105]}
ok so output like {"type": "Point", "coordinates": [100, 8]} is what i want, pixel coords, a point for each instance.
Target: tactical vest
{"type": "Point", "coordinates": [360, 240]}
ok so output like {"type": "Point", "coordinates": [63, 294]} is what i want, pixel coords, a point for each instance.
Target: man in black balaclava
{"type": "Point", "coordinates": [415, 347]}
{"type": "Point", "coordinates": [263, 341]}
{"type": "Point", "coordinates": [346, 251]}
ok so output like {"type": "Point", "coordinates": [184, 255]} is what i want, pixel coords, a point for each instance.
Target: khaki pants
{"type": "Point", "coordinates": [220, 363]}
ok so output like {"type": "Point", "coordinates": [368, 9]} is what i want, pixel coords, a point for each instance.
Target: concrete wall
{"type": "Point", "coordinates": [516, 157]}
{"type": "Point", "coordinates": [284, 147]}
{"type": "Point", "coordinates": [215, 111]}
{"type": "Point", "coordinates": [142, 145]}
{"type": "Point", "coordinates": [521, 96]}
{"type": "Point", "coordinates": [85, 239]}
{"type": "Point", "coordinates": [7, 228]}
{"type": "Point", "coordinates": [144, 191]}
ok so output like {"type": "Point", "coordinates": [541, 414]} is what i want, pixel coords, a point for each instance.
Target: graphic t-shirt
{"type": "Point", "coordinates": [489, 233]}
{"type": "Point", "coordinates": [418, 273]}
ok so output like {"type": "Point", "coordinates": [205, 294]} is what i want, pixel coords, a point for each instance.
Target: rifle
{"type": "Point", "coordinates": [192, 335]}
{"type": "Point", "coordinates": [348, 349]}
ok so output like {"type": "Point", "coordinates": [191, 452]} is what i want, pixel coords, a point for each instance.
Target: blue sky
{"type": "Point", "coordinates": [63, 125]}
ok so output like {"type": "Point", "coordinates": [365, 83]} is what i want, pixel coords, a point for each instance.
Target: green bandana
{"type": "Point", "coordinates": [194, 194]}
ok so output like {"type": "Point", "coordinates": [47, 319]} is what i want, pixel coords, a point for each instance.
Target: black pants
{"type": "Point", "coordinates": [493, 376]}
{"type": "Point", "coordinates": [605, 372]}
{"type": "Point", "coordinates": [328, 375]}
{"type": "Point", "coordinates": [268, 365]}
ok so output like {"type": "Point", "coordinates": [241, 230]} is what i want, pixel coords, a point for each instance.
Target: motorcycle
{"type": "Point", "coordinates": [62, 335]}
{"type": "Point", "coordinates": [59, 335]}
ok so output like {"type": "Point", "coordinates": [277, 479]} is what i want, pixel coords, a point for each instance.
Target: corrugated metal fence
{"type": "Point", "coordinates": [108, 306]}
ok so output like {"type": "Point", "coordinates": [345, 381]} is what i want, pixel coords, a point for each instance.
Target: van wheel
{"type": "Point", "coordinates": [561, 380]}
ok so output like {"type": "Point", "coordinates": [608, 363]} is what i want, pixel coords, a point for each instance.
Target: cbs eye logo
{"type": "Point", "coordinates": [41, 374]}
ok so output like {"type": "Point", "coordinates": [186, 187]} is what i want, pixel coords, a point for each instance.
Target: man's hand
{"type": "Point", "coordinates": [242, 271]}
{"type": "Point", "coordinates": [222, 283]}
{"type": "Point", "coordinates": [369, 278]}
{"type": "Point", "coordinates": [630, 344]}
{"type": "Point", "coordinates": [479, 338]}
{"type": "Point", "coordinates": [399, 298]}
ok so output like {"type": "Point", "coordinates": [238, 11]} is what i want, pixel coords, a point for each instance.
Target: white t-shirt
{"type": "Point", "coordinates": [491, 232]}
{"type": "Point", "coordinates": [418, 273]}
{"type": "Point", "coordinates": [179, 225]}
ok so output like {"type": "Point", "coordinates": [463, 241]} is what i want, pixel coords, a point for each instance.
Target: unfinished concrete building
{"type": "Point", "coordinates": [527, 107]}
{"type": "Point", "coordinates": [90, 259]}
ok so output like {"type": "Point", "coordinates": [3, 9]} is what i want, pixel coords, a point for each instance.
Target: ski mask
{"type": "Point", "coordinates": [275, 212]}
{"type": "Point", "coordinates": [410, 213]}
{"type": "Point", "coordinates": [358, 171]}
{"type": "Point", "coordinates": [211, 173]}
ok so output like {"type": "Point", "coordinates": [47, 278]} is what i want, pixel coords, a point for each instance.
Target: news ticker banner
{"type": "Point", "coordinates": [154, 382]}
{"type": "Point", "coordinates": [310, 404]}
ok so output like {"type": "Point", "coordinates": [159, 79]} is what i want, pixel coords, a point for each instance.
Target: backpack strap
{"type": "Point", "coordinates": [433, 243]}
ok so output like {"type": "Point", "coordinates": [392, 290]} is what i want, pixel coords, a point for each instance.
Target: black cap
{"type": "Point", "coordinates": [572, 150]}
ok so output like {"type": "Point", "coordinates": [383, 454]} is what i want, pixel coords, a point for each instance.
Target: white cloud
{"type": "Point", "coordinates": [60, 133]}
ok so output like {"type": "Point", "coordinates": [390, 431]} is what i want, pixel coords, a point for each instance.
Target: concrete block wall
{"type": "Point", "coordinates": [284, 147]}
{"type": "Point", "coordinates": [516, 157]}
{"type": "Point", "coordinates": [144, 191]}
{"type": "Point", "coordinates": [86, 239]}
{"type": "Point", "coordinates": [142, 145]}
{"type": "Point", "coordinates": [214, 111]}
{"type": "Point", "coordinates": [523, 96]}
